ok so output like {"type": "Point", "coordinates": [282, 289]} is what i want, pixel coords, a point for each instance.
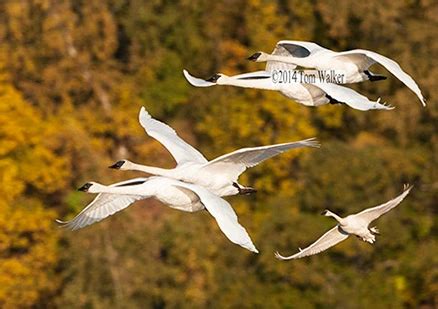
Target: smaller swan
{"type": "Point", "coordinates": [174, 193]}
{"type": "Point", "coordinates": [355, 63]}
{"type": "Point", "coordinates": [356, 224]}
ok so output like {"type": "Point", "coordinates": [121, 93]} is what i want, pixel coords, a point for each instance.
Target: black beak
{"type": "Point", "coordinates": [117, 165]}
{"type": "Point", "coordinates": [254, 57]}
{"type": "Point", "coordinates": [213, 78]}
{"type": "Point", "coordinates": [85, 187]}
{"type": "Point", "coordinates": [324, 212]}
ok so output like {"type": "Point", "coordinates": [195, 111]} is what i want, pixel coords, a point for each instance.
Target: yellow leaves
{"type": "Point", "coordinates": [10, 183]}
{"type": "Point", "coordinates": [23, 144]}
{"type": "Point", "coordinates": [27, 238]}
{"type": "Point", "coordinates": [400, 284]}
{"type": "Point", "coordinates": [27, 250]}
{"type": "Point", "coordinates": [233, 53]}
{"type": "Point", "coordinates": [13, 129]}
{"type": "Point", "coordinates": [331, 116]}
{"type": "Point", "coordinates": [366, 139]}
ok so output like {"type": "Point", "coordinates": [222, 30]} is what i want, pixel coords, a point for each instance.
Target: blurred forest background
{"type": "Point", "coordinates": [73, 76]}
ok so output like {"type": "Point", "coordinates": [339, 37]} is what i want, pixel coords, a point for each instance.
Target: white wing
{"type": "Point", "coordinates": [290, 50]}
{"type": "Point", "coordinates": [236, 162]}
{"type": "Point", "coordinates": [253, 75]}
{"type": "Point", "coordinates": [300, 49]}
{"type": "Point", "coordinates": [224, 214]}
{"type": "Point", "coordinates": [371, 214]}
{"type": "Point", "coordinates": [104, 205]}
{"type": "Point", "coordinates": [351, 97]}
{"type": "Point", "coordinates": [329, 239]}
{"type": "Point", "coordinates": [197, 82]}
{"type": "Point", "coordinates": [392, 67]}
{"type": "Point", "coordinates": [278, 65]}
{"type": "Point", "coordinates": [180, 150]}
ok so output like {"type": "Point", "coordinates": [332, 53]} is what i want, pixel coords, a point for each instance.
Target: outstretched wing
{"type": "Point", "coordinates": [391, 66]}
{"type": "Point", "coordinates": [350, 97]}
{"type": "Point", "coordinates": [278, 65]}
{"type": "Point", "coordinates": [197, 82]}
{"type": "Point", "coordinates": [300, 49]}
{"type": "Point", "coordinates": [224, 214]}
{"type": "Point", "coordinates": [235, 163]}
{"type": "Point", "coordinates": [371, 214]}
{"type": "Point", "coordinates": [329, 239]}
{"type": "Point", "coordinates": [104, 205]}
{"type": "Point", "coordinates": [290, 50]}
{"type": "Point", "coordinates": [179, 149]}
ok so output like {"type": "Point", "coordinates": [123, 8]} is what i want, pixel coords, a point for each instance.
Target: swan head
{"type": "Point", "coordinates": [90, 187]}
{"type": "Point", "coordinates": [214, 78]}
{"type": "Point", "coordinates": [258, 57]}
{"type": "Point", "coordinates": [121, 165]}
{"type": "Point", "coordinates": [326, 213]}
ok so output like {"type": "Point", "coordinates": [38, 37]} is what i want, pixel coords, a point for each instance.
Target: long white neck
{"type": "Point", "coordinates": [337, 218]}
{"type": "Point", "coordinates": [148, 169]}
{"type": "Point", "coordinates": [249, 80]}
{"type": "Point", "coordinates": [133, 189]}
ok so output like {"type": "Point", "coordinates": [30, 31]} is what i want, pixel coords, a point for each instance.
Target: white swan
{"type": "Point", "coordinates": [219, 175]}
{"type": "Point", "coordinates": [174, 193]}
{"type": "Point", "coordinates": [315, 94]}
{"type": "Point", "coordinates": [356, 224]}
{"type": "Point", "coordinates": [354, 63]}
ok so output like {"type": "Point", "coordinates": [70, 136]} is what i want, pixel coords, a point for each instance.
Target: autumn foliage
{"type": "Point", "coordinates": [73, 76]}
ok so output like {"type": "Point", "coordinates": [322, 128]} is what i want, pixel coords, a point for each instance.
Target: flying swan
{"type": "Point", "coordinates": [174, 193]}
{"type": "Point", "coordinates": [314, 94]}
{"type": "Point", "coordinates": [356, 224]}
{"type": "Point", "coordinates": [219, 175]}
{"type": "Point", "coordinates": [354, 63]}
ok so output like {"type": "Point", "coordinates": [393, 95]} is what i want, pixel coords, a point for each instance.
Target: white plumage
{"type": "Point", "coordinates": [219, 175]}
{"type": "Point", "coordinates": [315, 94]}
{"type": "Point", "coordinates": [356, 224]}
{"type": "Point", "coordinates": [355, 63]}
{"type": "Point", "coordinates": [174, 193]}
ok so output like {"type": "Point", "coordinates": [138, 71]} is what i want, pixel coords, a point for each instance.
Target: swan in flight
{"type": "Point", "coordinates": [356, 224]}
{"type": "Point", "coordinates": [355, 63]}
{"type": "Point", "coordinates": [174, 193]}
{"type": "Point", "coordinates": [314, 94]}
{"type": "Point", "coordinates": [219, 175]}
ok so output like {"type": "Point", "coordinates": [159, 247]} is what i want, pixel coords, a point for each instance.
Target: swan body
{"type": "Point", "coordinates": [219, 175]}
{"type": "Point", "coordinates": [353, 63]}
{"type": "Point", "coordinates": [314, 94]}
{"type": "Point", "coordinates": [356, 224]}
{"type": "Point", "coordinates": [174, 193]}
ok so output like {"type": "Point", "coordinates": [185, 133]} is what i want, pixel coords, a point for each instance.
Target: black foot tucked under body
{"type": "Point", "coordinates": [374, 78]}
{"type": "Point", "coordinates": [333, 100]}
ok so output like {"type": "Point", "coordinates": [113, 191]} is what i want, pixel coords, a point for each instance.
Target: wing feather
{"type": "Point", "coordinates": [300, 47]}
{"type": "Point", "coordinates": [278, 65]}
{"type": "Point", "coordinates": [236, 162]}
{"type": "Point", "coordinates": [392, 67]}
{"type": "Point", "coordinates": [103, 206]}
{"type": "Point", "coordinates": [329, 239]}
{"type": "Point", "coordinates": [180, 150]}
{"type": "Point", "coordinates": [224, 214]}
{"type": "Point", "coordinates": [197, 82]}
{"type": "Point", "coordinates": [371, 214]}
{"type": "Point", "coordinates": [350, 97]}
